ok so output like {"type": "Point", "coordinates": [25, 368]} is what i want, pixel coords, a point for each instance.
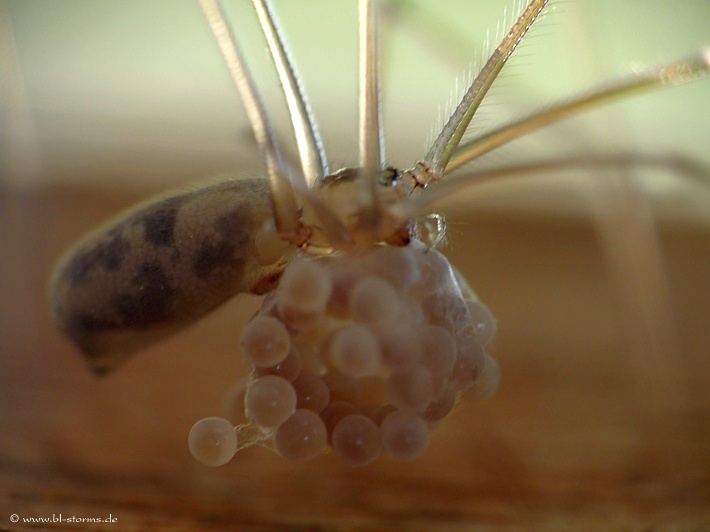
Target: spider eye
{"type": "Point", "coordinates": [389, 177]}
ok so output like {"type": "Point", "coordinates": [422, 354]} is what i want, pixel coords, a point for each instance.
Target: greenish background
{"type": "Point", "coordinates": [133, 93]}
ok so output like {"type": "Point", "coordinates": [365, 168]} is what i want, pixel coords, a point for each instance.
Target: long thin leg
{"type": "Point", "coordinates": [434, 164]}
{"type": "Point", "coordinates": [372, 153]}
{"type": "Point", "coordinates": [420, 204]}
{"type": "Point", "coordinates": [369, 128]}
{"type": "Point", "coordinates": [282, 195]}
{"type": "Point", "coordinates": [310, 148]}
{"type": "Point", "coordinates": [672, 74]}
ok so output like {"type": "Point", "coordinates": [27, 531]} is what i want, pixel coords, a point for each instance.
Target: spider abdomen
{"type": "Point", "coordinates": [160, 266]}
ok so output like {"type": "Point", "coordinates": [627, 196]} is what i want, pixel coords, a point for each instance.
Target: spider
{"type": "Point", "coordinates": [169, 261]}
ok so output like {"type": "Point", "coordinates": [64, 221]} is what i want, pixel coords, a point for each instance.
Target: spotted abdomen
{"type": "Point", "coordinates": [160, 266]}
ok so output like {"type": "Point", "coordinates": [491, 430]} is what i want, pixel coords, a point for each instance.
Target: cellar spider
{"type": "Point", "coordinates": [166, 263]}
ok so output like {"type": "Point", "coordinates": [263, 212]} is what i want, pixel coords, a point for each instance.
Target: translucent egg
{"type": "Point", "coordinates": [356, 440]}
{"type": "Point", "coordinates": [484, 323]}
{"type": "Point", "coordinates": [301, 437]}
{"type": "Point", "coordinates": [336, 411]}
{"type": "Point", "coordinates": [412, 389]}
{"type": "Point", "coordinates": [265, 341]}
{"type": "Point", "coordinates": [344, 276]}
{"type": "Point", "coordinates": [289, 368]}
{"type": "Point", "coordinates": [487, 382]}
{"type": "Point", "coordinates": [446, 310]}
{"type": "Point", "coordinates": [400, 345]}
{"type": "Point", "coordinates": [469, 361]}
{"type": "Point", "coordinates": [305, 285]}
{"type": "Point", "coordinates": [311, 362]}
{"type": "Point", "coordinates": [298, 319]}
{"type": "Point", "coordinates": [312, 393]}
{"type": "Point", "coordinates": [434, 271]}
{"type": "Point", "coordinates": [381, 412]}
{"type": "Point", "coordinates": [438, 350]}
{"type": "Point", "coordinates": [212, 441]}
{"type": "Point", "coordinates": [404, 434]}
{"type": "Point", "coordinates": [355, 351]}
{"type": "Point", "coordinates": [373, 301]}
{"type": "Point", "coordinates": [269, 401]}
{"type": "Point", "coordinates": [410, 311]}
{"type": "Point", "coordinates": [396, 265]}
{"type": "Point", "coordinates": [442, 403]}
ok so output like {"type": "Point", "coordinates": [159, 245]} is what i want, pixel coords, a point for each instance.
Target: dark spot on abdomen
{"type": "Point", "coordinates": [233, 230]}
{"type": "Point", "coordinates": [148, 301]}
{"type": "Point", "coordinates": [79, 267]}
{"type": "Point", "coordinates": [110, 255]}
{"type": "Point", "coordinates": [107, 255]}
{"type": "Point", "coordinates": [159, 225]}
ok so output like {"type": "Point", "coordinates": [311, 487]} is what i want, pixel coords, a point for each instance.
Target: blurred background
{"type": "Point", "coordinates": [599, 279]}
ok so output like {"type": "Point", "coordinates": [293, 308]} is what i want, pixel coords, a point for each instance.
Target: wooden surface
{"type": "Point", "coordinates": [590, 429]}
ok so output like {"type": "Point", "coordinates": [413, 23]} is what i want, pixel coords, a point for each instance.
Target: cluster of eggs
{"type": "Point", "coordinates": [363, 352]}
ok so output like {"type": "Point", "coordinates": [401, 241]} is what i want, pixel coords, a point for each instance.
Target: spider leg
{"type": "Point", "coordinates": [282, 195]}
{"type": "Point", "coordinates": [437, 159]}
{"type": "Point", "coordinates": [413, 206]}
{"type": "Point", "coordinates": [675, 73]}
{"type": "Point", "coordinates": [310, 147]}
{"type": "Point", "coordinates": [369, 127]}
